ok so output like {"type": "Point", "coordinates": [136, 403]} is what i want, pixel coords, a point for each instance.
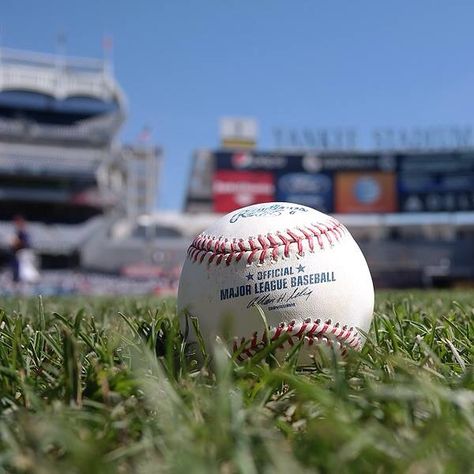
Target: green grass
{"type": "Point", "coordinates": [106, 385]}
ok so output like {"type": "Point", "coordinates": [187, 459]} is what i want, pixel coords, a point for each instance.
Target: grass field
{"type": "Point", "coordinates": [106, 385]}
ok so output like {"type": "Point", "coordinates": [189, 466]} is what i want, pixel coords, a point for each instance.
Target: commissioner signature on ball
{"type": "Point", "coordinates": [286, 297]}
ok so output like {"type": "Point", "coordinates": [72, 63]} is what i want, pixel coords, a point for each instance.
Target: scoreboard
{"type": "Point", "coordinates": [345, 183]}
{"type": "Point", "coordinates": [436, 182]}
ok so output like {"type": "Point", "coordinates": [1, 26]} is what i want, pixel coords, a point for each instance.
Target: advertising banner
{"type": "Point", "coordinates": [436, 193]}
{"type": "Point", "coordinates": [234, 189]}
{"type": "Point", "coordinates": [444, 163]}
{"type": "Point", "coordinates": [313, 190]}
{"type": "Point", "coordinates": [303, 162]}
{"type": "Point", "coordinates": [305, 178]}
{"type": "Point", "coordinates": [251, 160]}
{"type": "Point", "coordinates": [365, 192]}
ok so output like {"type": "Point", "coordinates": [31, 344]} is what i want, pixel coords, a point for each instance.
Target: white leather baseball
{"type": "Point", "coordinates": [302, 267]}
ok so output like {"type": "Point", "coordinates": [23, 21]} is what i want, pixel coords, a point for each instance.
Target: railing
{"type": "Point", "coordinates": [100, 130]}
{"type": "Point", "coordinates": [14, 57]}
{"type": "Point", "coordinates": [51, 160]}
{"type": "Point", "coordinates": [56, 75]}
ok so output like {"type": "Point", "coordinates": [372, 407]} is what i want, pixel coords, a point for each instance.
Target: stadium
{"type": "Point", "coordinates": [89, 200]}
{"type": "Point", "coordinates": [150, 321]}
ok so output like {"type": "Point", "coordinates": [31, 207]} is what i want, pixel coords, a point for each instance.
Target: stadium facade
{"type": "Point", "coordinates": [62, 166]}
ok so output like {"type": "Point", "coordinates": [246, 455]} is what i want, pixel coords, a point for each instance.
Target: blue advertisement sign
{"type": "Point", "coordinates": [436, 182]}
{"type": "Point", "coordinates": [313, 190]}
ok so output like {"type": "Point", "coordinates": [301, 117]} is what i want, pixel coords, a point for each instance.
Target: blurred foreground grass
{"type": "Point", "coordinates": [86, 390]}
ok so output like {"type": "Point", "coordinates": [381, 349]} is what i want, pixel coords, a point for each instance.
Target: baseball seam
{"type": "Point", "coordinates": [311, 332]}
{"type": "Point", "coordinates": [271, 245]}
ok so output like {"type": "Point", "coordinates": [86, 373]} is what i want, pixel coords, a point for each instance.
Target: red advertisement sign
{"type": "Point", "coordinates": [234, 189]}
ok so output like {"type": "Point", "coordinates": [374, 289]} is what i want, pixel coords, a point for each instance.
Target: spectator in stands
{"type": "Point", "coordinates": [21, 241]}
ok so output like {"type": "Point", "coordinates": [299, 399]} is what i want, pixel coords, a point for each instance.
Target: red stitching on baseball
{"type": "Point", "coordinates": [317, 234]}
{"type": "Point", "coordinates": [310, 332]}
{"type": "Point", "coordinates": [309, 238]}
{"type": "Point", "coordinates": [218, 249]}
{"type": "Point", "coordinates": [298, 240]}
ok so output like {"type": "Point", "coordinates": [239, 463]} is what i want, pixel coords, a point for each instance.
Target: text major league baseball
{"type": "Point", "coordinates": [277, 285]}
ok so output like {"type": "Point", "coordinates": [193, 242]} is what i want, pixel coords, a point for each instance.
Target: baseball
{"type": "Point", "coordinates": [300, 266]}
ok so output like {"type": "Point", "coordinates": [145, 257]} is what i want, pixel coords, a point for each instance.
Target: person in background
{"type": "Point", "coordinates": [21, 241]}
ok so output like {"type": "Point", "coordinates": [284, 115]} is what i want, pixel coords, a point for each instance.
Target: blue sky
{"type": "Point", "coordinates": [300, 64]}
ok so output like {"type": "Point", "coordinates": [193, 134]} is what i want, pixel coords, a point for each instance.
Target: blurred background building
{"type": "Point", "coordinates": [61, 165]}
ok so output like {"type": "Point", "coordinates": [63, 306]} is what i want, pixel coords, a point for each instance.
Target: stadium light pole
{"type": "Point", "coordinates": [61, 41]}
{"type": "Point", "coordinates": [108, 51]}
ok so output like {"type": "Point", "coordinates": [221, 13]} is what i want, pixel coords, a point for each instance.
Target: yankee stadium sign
{"type": "Point", "coordinates": [380, 139]}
